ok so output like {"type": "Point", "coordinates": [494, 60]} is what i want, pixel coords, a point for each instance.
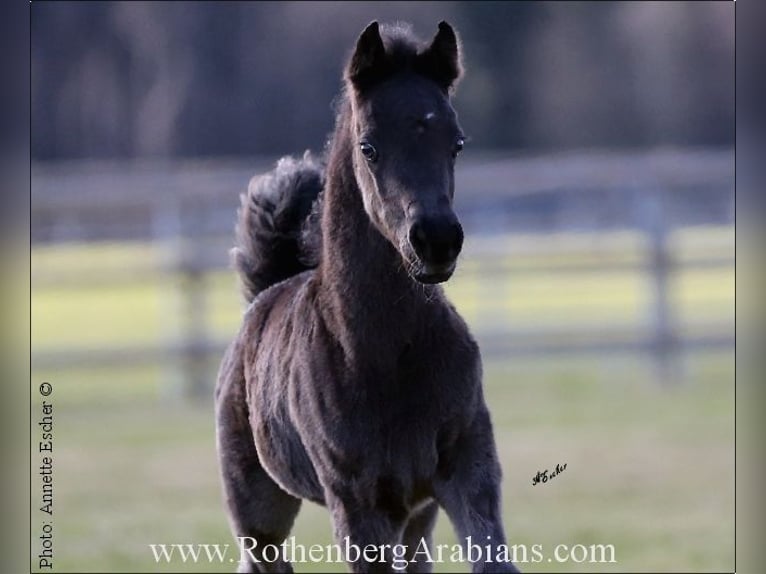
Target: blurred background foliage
{"type": "Point", "coordinates": [138, 79]}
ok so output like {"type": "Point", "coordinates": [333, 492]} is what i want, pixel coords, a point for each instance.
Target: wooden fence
{"type": "Point", "coordinates": [191, 206]}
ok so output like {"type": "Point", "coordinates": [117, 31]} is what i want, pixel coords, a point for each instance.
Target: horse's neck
{"type": "Point", "coordinates": [364, 283]}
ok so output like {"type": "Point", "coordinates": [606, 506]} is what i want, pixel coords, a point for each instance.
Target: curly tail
{"type": "Point", "coordinates": [270, 222]}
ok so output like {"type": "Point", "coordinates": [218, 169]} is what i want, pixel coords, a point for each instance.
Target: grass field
{"type": "Point", "coordinates": [497, 290]}
{"type": "Point", "coordinates": [650, 469]}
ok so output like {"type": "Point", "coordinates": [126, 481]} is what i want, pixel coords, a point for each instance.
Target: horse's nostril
{"type": "Point", "coordinates": [452, 243]}
{"type": "Point", "coordinates": [419, 240]}
{"type": "Point", "coordinates": [420, 234]}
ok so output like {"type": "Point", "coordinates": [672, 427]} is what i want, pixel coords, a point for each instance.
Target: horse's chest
{"type": "Point", "coordinates": [386, 459]}
{"type": "Point", "coordinates": [373, 432]}
{"type": "Point", "coordinates": [377, 456]}
{"type": "Point", "coordinates": [390, 426]}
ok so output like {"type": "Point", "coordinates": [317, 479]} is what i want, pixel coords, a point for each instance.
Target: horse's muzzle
{"type": "Point", "coordinates": [437, 242]}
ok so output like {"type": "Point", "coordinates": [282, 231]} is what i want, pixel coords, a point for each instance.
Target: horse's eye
{"type": "Point", "coordinates": [459, 144]}
{"type": "Point", "coordinates": [368, 151]}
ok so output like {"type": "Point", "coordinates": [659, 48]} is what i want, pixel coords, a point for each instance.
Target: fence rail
{"type": "Point", "coordinates": [189, 209]}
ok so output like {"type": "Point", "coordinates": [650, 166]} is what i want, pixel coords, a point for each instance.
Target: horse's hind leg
{"type": "Point", "coordinates": [260, 512]}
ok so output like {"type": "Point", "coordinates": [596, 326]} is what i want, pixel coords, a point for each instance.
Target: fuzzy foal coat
{"type": "Point", "coordinates": [349, 383]}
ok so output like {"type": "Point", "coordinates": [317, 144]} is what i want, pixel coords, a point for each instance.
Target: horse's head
{"type": "Point", "coordinates": [406, 139]}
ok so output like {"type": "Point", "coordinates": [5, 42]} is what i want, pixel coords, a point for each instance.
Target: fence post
{"type": "Point", "coordinates": [184, 322]}
{"type": "Point", "coordinates": [663, 345]}
{"type": "Point", "coordinates": [194, 333]}
{"type": "Point", "coordinates": [168, 234]}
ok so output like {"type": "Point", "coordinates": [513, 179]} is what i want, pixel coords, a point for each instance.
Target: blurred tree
{"type": "Point", "coordinates": [496, 39]}
{"type": "Point", "coordinates": [147, 79]}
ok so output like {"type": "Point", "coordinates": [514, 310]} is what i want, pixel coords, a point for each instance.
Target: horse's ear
{"type": "Point", "coordinates": [441, 60]}
{"type": "Point", "coordinates": [369, 57]}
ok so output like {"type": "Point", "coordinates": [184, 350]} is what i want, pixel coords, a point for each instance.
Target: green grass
{"type": "Point", "coordinates": [504, 290]}
{"type": "Point", "coordinates": [650, 468]}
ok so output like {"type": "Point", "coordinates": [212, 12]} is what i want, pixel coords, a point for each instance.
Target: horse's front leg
{"type": "Point", "coordinates": [468, 489]}
{"type": "Point", "coordinates": [368, 534]}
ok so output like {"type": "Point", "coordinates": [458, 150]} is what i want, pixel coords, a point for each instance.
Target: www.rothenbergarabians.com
{"type": "Point", "coordinates": [397, 555]}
